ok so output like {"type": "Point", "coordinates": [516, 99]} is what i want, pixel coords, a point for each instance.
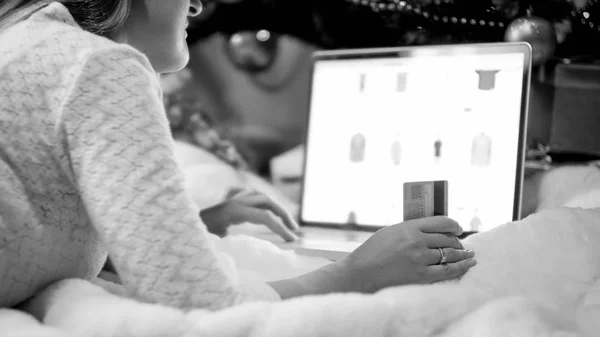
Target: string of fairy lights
{"type": "Point", "coordinates": [580, 14]}
{"type": "Point", "coordinates": [416, 9]}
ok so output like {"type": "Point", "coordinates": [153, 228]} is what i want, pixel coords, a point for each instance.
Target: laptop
{"type": "Point", "coordinates": [382, 119]}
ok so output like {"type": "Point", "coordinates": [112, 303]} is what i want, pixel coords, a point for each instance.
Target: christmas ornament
{"type": "Point", "coordinates": [252, 51]}
{"type": "Point", "coordinates": [538, 32]}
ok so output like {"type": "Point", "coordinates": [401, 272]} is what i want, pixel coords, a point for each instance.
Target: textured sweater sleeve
{"type": "Point", "coordinates": [116, 135]}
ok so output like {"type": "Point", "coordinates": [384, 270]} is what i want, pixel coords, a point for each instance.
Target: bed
{"type": "Point", "coordinates": [536, 277]}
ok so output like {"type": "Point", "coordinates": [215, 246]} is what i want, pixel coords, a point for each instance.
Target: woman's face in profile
{"type": "Point", "coordinates": [158, 29]}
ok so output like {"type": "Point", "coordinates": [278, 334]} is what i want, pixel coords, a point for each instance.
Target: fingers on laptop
{"type": "Point", "coordinates": [259, 216]}
{"type": "Point", "coordinates": [261, 201]}
{"type": "Point", "coordinates": [257, 199]}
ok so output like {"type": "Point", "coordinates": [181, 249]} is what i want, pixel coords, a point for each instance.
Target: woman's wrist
{"type": "Point", "coordinates": [333, 278]}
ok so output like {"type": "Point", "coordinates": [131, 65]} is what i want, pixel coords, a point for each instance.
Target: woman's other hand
{"type": "Point", "coordinates": [407, 253]}
{"type": "Point", "coordinates": [253, 207]}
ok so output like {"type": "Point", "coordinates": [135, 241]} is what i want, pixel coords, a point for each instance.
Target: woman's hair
{"type": "Point", "coordinates": [101, 17]}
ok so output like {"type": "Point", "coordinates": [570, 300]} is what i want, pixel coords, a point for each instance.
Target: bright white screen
{"type": "Point", "coordinates": [377, 123]}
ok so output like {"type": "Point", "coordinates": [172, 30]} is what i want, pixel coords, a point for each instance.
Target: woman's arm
{"type": "Point", "coordinates": [116, 135]}
{"type": "Point", "coordinates": [115, 132]}
{"type": "Point", "coordinates": [396, 255]}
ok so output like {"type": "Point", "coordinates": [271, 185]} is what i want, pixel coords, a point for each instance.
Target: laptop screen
{"type": "Point", "coordinates": [382, 118]}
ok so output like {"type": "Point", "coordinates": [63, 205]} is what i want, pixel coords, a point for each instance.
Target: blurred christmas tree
{"type": "Point", "coordinates": [556, 28]}
{"type": "Point", "coordinates": [564, 34]}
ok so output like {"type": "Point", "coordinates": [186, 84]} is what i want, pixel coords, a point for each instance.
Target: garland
{"type": "Point", "coordinates": [493, 14]}
{"type": "Point", "coordinates": [335, 24]}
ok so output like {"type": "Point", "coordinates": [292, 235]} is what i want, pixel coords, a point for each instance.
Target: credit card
{"type": "Point", "coordinates": [425, 199]}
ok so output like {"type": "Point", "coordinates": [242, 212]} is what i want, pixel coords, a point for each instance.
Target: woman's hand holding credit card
{"type": "Point", "coordinates": [423, 249]}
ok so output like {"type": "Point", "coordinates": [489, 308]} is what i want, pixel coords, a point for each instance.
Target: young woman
{"type": "Point", "coordinates": [87, 169]}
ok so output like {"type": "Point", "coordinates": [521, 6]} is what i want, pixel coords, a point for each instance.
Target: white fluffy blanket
{"type": "Point", "coordinates": [536, 277]}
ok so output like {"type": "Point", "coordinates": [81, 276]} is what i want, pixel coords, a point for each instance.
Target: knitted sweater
{"type": "Point", "coordinates": [87, 168]}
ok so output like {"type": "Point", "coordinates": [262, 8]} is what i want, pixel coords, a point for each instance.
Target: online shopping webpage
{"type": "Point", "coordinates": [376, 124]}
